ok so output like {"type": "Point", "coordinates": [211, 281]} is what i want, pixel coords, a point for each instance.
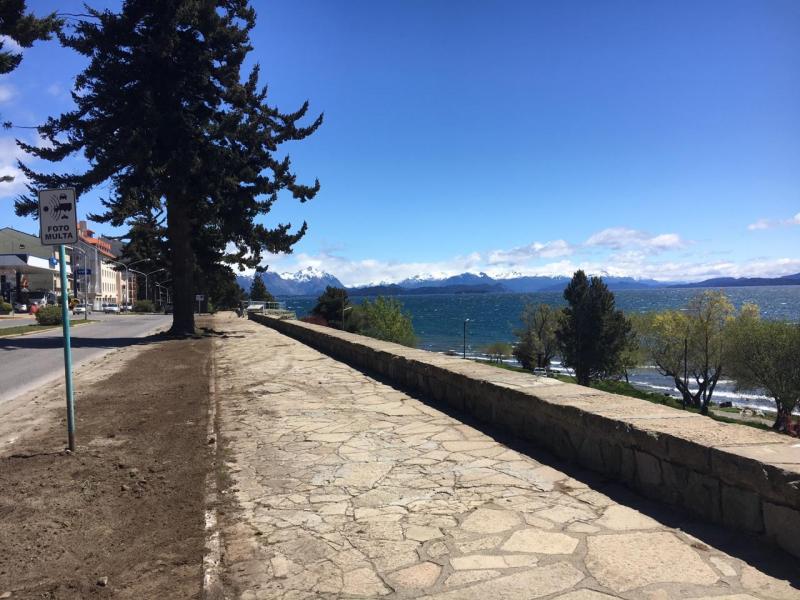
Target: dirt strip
{"type": "Point", "coordinates": [123, 517]}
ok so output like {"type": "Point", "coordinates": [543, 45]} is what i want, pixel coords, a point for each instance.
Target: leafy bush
{"type": "Point", "coordinates": [5, 308]}
{"type": "Point", "coordinates": [385, 319]}
{"type": "Point", "coordinates": [143, 306]}
{"type": "Point", "coordinates": [49, 315]}
{"type": "Point", "coordinates": [497, 351]}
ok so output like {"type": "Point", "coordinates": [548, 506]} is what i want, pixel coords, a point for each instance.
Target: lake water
{"type": "Point", "coordinates": [439, 322]}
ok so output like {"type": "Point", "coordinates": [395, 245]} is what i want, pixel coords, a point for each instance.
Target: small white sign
{"type": "Point", "coordinates": [199, 298]}
{"type": "Point", "coordinates": [58, 217]}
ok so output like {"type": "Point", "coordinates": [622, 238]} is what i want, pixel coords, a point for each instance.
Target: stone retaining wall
{"type": "Point", "coordinates": [732, 474]}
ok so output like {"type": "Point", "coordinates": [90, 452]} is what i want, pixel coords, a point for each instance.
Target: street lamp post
{"type": "Point", "coordinates": [344, 310]}
{"type": "Point", "coordinates": [465, 336]}
{"type": "Point", "coordinates": [136, 262]}
{"type": "Point", "coordinates": [146, 275]}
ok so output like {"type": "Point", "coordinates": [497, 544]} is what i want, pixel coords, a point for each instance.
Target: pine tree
{"type": "Point", "coordinates": [163, 114]}
{"type": "Point", "coordinates": [592, 334]}
{"type": "Point", "coordinates": [24, 28]}
{"type": "Point", "coordinates": [258, 291]}
{"type": "Point", "coordinates": [332, 305]}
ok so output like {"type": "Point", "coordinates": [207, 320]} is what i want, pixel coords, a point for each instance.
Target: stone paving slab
{"type": "Point", "coordinates": [344, 487]}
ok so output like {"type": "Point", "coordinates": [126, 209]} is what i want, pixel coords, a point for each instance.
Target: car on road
{"type": "Point", "coordinates": [126, 307]}
{"type": "Point", "coordinates": [80, 309]}
{"type": "Point", "coordinates": [111, 308]}
{"type": "Point", "coordinates": [20, 307]}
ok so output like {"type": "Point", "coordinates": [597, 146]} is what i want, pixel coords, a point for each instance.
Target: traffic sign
{"type": "Point", "coordinates": [58, 217]}
{"type": "Point", "coordinates": [83, 271]}
{"type": "Point", "coordinates": [199, 297]}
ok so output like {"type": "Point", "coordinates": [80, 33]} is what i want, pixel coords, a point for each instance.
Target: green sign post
{"type": "Point", "coordinates": [58, 222]}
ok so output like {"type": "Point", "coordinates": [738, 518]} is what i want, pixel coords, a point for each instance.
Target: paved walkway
{"type": "Point", "coordinates": [342, 486]}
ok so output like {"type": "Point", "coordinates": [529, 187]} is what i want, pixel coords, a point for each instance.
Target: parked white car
{"type": "Point", "coordinates": [111, 308]}
{"type": "Point", "coordinates": [79, 309]}
{"type": "Point", "coordinates": [20, 307]}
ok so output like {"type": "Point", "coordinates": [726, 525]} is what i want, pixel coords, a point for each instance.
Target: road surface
{"type": "Point", "coordinates": [32, 360]}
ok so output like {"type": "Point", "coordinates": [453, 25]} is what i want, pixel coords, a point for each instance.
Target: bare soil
{"type": "Point", "coordinates": [128, 505]}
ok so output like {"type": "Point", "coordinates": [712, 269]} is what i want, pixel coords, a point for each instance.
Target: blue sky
{"type": "Point", "coordinates": [653, 139]}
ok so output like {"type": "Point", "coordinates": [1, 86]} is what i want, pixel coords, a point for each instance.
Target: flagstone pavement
{"type": "Point", "coordinates": [344, 487]}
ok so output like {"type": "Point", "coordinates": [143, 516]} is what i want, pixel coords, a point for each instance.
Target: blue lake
{"type": "Point", "coordinates": [439, 321]}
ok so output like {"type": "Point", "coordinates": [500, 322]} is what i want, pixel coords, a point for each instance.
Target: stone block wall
{"type": "Point", "coordinates": [739, 476]}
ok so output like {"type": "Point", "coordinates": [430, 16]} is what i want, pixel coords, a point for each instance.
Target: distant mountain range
{"type": "Point", "coordinates": [311, 281]}
{"type": "Point", "coordinates": [743, 281]}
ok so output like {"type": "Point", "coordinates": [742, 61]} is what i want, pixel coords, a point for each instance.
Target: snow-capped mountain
{"type": "Point", "coordinates": [312, 281]}
{"type": "Point", "coordinates": [306, 282]}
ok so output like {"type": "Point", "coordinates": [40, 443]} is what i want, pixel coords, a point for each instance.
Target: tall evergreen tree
{"type": "Point", "coordinates": [332, 305]}
{"type": "Point", "coordinates": [258, 291]}
{"type": "Point", "coordinates": [592, 334]}
{"type": "Point", "coordinates": [163, 114]}
{"type": "Point", "coordinates": [24, 28]}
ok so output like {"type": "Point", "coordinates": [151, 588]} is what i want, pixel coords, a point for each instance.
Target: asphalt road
{"type": "Point", "coordinates": [27, 362]}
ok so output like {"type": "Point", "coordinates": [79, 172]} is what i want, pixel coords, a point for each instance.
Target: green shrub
{"type": "Point", "coordinates": [5, 308]}
{"type": "Point", "coordinates": [49, 315]}
{"type": "Point", "coordinates": [143, 306]}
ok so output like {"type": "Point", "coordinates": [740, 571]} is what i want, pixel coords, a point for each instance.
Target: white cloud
{"type": "Point", "coordinates": [54, 89]}
{"type": "Point", "coordinates": [554, 249]}
{"type": "Point", "coordinates": [7, 93]}
{"type": "Point", "coordinates": [617, 238]}
{"type": "Point", "coordinates": [9, 153]}
{"type": "Point", "coordinates": [760, 224]}
{"type": "Point", "coordinates": [772, 223]}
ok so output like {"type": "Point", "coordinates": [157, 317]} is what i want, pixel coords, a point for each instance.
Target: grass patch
{"type": "Point", "coordinates": [25, 329]}
{"type": "Point", "coordinates": [626, 389]}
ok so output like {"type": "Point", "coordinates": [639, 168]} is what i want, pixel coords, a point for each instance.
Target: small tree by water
{"type": "Point", "coordinates": [764, 355]}
{"type": "Point", "coordinates": [537, 343]}
{"type": "Point", "coordinates": [383, 319]}
{"type": "Point", "coordinates": [688, 345]}
{"type": "Point", "coordinates": [498, 351]}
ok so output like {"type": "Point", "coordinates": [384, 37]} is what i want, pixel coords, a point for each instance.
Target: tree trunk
{"type": "Point", "coordinates": [782, 418]}
{"type": "Point", "coordinates": [179, 229]}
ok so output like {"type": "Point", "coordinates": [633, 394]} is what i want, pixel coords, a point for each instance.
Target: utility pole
{"type": "Point", "coordinates": [465, 336]}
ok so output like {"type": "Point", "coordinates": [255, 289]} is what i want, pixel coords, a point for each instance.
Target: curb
{"type": "Point", "coordinates": [212, 583]}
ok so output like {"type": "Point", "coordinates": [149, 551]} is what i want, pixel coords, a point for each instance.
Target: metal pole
{"type": "Point", "coordinates": [67, 347]}
{"type": "Point", "coordinates": [465, 337]}
{"type": "Point", "coordinates": [685, 370]}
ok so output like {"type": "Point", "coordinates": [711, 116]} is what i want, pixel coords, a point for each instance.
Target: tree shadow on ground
{"type": "Point", "coordinates": [43, 343]}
